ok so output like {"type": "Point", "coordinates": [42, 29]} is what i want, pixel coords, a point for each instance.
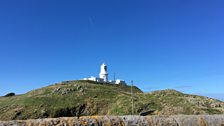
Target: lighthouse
{"type": "Point", "coordinates": [104, 77]}
{"type": "Point", "coordinates": [103, 73]}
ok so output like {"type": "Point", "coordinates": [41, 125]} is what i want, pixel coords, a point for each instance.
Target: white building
{"type": "Point", "coordinates": [103, 77]}
{"type": "Point", "coordinates": [103, 73]}
{"type": "Point", "coordinates": [120, 82]}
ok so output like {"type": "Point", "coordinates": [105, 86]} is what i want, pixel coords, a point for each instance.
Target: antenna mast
{"type": "Point", "coordinates": [132, 100]}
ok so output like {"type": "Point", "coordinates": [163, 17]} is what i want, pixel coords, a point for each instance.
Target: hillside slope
{"type": "Point", "coordinates": [84, 98]}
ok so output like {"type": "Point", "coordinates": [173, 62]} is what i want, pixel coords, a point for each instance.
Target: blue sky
{"type": "Point", "coordinates": [159, 44]}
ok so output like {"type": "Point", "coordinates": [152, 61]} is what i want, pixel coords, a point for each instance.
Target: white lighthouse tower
{"type": "Point", "coordinates": [104, 77]}
{"type": "Point", "coordinates": [103, 73]}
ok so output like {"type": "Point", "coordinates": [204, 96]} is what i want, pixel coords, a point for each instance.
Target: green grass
{"type": "Point", "coordinates": [98, 98]}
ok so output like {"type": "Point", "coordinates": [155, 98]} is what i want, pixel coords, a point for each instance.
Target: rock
{"type": "Point", "coordinates": [81, 90]}
{"type": "Point", "coordinates": [65, 112]}
{"type": "Point", "coordinates": [78, 87]}
{"type": "Point", "coordinates": [145, 113]}
{"type": "Point", "coordinates": [44, 113]}
{"type": "Point", "coordinates": [18, 113]}
{"type": "Point", "coordinates": [176, 120]}
{"type": "Point", "coordinates": [71, 112]}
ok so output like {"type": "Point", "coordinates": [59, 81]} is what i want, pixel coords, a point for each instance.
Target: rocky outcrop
{"type": "Point", "coordinates": [176, 120]}
{"type": "Point", "coordinates": [70, 112]}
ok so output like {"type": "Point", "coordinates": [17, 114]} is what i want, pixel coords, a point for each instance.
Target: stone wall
{"type": "Point", "coordinates": [176, 120]}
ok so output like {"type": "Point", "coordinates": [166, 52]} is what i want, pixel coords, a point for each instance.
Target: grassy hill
{"type": "Point", "coordinates": [82, 98]}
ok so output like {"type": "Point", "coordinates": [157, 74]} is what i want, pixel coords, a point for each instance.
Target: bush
{"type": "Point", "coordinates": [10, 94]}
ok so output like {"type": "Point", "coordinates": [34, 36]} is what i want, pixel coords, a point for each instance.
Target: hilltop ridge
{"type": "Point", "coordinates": [86, 98]}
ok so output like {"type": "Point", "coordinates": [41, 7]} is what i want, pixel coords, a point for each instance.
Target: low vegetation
{"type": "Point", "coordinates": [85, 98]}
